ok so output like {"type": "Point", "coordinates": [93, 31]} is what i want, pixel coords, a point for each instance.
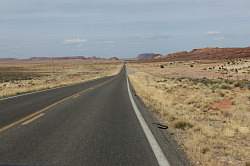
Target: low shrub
{"type": "Point", "coordinates": [225, 86]}
{"type": "Point", "coordinates": [183, 125]}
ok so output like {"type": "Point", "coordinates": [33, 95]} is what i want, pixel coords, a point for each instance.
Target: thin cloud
{"type": "Point", "coordinates": [74, 41]}
{"type": "Point", "coordinates": [213, 33]}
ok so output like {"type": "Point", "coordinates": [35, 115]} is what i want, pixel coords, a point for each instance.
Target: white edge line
{"type": "Point", "coordinates": [29, 93]}
{"type": "Point", "coordinates": [161, 158]}
{"type": "Point", "coordinates": [44, 90]}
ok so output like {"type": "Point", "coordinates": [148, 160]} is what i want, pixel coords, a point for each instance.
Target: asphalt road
{"type": "Point", "coordinates": [88, 124]}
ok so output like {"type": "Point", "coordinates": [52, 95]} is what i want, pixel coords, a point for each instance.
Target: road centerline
{"type": "Point", "coordinates": [17, 122]}
{"type": "Point", "coordinates": [33, 119]}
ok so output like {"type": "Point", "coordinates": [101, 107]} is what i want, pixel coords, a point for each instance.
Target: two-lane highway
{"type": "Point", "coordinates": [96, 126]}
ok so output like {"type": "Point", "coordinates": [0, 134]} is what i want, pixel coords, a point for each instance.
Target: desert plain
{"type": "Point", "coordinates": [205, 104]}
{"type": "Point", "coordinates": [22, 76]}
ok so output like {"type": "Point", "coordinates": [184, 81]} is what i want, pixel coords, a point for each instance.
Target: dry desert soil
{"type": "Point", "coordinates": [205, 103]}
{"type": "Point", "coordinates": [20, 76]}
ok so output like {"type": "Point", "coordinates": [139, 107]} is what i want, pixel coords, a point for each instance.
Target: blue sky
{"type": "Point", "coordinates": [122, 28]}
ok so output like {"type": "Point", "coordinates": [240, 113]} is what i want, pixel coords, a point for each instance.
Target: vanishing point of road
{"type": "Point", "coordinates": [96, 123]}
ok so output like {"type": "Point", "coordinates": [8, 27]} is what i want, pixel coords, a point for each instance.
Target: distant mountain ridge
{"type": "Point", "coordinates": [8, 59]}
{"type": "Point", "coordinates": [146, 56]}
{"type": "Point", "coordinates": [113, 58]}
{"type": "Point", "coordinates": [63, 58]}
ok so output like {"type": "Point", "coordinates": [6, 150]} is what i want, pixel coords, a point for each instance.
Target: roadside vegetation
{"type": "Point", "coordinates": [19, 76]}
{"type": "Point", "coordinates": [207, 111]}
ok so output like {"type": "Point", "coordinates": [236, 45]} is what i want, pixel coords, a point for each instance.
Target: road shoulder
{"type": "Point", "coordinates": [169, 146]}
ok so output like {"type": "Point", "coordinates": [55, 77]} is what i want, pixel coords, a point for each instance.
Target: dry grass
{"type": "Point", "coordinates": [24, 75]}
{"type": "Point", "coordinates": [233, 69]}
{"type": "Point", "coordinates": [208, 117]}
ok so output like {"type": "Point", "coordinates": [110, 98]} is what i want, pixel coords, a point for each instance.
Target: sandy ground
{"type": "Point", "coordinates": [205, 104]}
{"type": "Point", "coordinates": [19, 76]}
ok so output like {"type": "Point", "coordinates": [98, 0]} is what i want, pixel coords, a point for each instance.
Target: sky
{"type": "Point", "coordinates": [122, 28]}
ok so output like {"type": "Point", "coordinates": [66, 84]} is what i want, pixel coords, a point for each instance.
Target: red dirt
{"type": "Point", "coordinates": [222, 104]}
{"type": "Point", "coordinates": [210, 54]}
{"type": "Point", "coordinates": [204, 54]}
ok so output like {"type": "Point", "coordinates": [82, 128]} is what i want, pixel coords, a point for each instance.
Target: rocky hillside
{"type": "Point", "coordinates": [210, 54]}
{"type": "Point", "coordinates": [114, 58]}
{"type": "Point", "coordinates": [148, 56]}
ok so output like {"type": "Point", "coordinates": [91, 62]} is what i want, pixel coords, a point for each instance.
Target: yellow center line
{"type": "Point", "coordinates": [32, 119]}
{"type": "Point", "coordinates": [76, 95]}
{"type": "Point", "coordinates": [4, 128]}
